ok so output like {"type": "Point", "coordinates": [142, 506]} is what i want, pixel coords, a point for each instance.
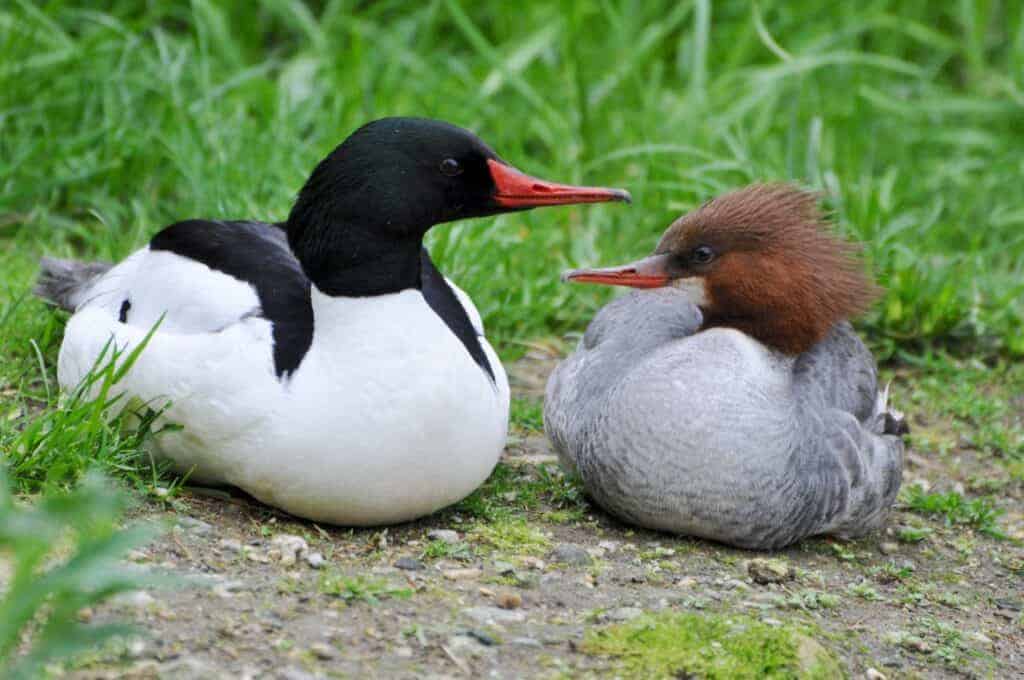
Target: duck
{"type": "Point", "coordinates": [323, 365]}
{"type": "Point", "coordinates": [728, 397]}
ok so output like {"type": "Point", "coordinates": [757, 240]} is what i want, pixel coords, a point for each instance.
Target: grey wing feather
{"type": "Point", "coordinates": [64, 282]}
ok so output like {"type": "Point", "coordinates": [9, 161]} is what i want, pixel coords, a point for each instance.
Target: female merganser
{"type": "Point", "coordinates": [735, 402]}
{"type": "Point", "coordinates": [323, 365]}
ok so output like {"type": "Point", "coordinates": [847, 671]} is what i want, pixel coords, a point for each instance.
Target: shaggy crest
{"type": "Point", "coordinates": [780, 273]}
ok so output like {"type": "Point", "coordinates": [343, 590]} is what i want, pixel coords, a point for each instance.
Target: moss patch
{"type": "Point", "coordinates": [511, 536]}
{"type": "Point", "coordinates": [692, 645]}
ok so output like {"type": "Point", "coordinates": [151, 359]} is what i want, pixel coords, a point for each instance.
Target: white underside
{"type": "Point", "coordinates": [386, 419]}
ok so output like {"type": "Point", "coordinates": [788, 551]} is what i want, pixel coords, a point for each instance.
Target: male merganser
{"type": "Point", "coordinates": [735, 402]}
{"type": "Point", "coordinates": [323, 365]}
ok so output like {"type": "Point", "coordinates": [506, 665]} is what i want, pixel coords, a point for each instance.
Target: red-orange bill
{"type": "Point", "coordinates": [650, 272]}
{"type": "Point", "coordinates": [514, 189]}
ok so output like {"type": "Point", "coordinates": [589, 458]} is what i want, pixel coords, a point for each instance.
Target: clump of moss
{"type": "Point", "coordinates": [705, 646]}
{"type": "Point", "coordinates": [511, 536]}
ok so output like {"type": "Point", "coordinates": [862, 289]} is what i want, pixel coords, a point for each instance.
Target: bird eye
{"type": "Point", "coordinates": [451, 167]}
{"type": "Point", "coordinates": [702, 254]}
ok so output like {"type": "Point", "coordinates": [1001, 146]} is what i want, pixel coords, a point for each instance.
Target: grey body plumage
{"type": "Point", "coordinates": [716, 435]}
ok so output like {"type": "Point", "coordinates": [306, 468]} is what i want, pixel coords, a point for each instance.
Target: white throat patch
{"type": "Point", "coordinates": [693, 288]}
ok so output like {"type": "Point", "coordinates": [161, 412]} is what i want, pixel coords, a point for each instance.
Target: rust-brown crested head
{"type": "Point", "coordinates": [763, 260]}
{"type": "Point", "coordinates": [770, 265]}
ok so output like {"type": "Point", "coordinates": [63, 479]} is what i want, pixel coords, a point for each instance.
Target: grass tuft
{"type": "Point", "coordinates": [978, 513]}
{"type": "Point", "coordinates": [64, 554]}
{"type": "Point", "coordinates": [359, 589]}
{"type": "Point", "coordinates": [54, 443]}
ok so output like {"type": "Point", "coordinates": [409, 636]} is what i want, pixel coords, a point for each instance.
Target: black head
{"type": "Point", "coordinates": [376, 195]}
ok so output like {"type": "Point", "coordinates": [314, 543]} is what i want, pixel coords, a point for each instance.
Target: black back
{"type": "Point", "coordinates": [258, 254]}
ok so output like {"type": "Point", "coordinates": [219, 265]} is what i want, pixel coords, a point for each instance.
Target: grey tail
{"type": "Point", "coordinates": [63, 282]}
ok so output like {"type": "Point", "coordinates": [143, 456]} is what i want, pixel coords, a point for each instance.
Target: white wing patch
{"type": "Point", "coordinates": [190, 296]}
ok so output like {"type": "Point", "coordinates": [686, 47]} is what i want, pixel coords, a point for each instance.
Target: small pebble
{"type": "Point", "coordinates": [978, 636]}
{"type": "Point", "coordinates": [465, 644]}
{"type": "Point", "coordinates": [291, 547]}
{"type": "Point", "coordinates": [315, 560]}
{"type": "Point", "coordinates": [136, 648]}
{"type": "Point", "coordinates": [568, 553]}
{"type": "Point", "coordinates": [139, 599]}
{"type": "Point", "coordinates": [493, 615]}
{"type": "Point", "coordinates": [623, 613]}
{"type": "Point", "coordinates": [444, 535]}
{"type": "Point", "coordinates": [764, 571]}
{"type": "Point", "coordinates": [504, 568]}
{"type": "Point", "coordinates": [195, 526]}
{"type": "Point", "coordinates": [483, 638]}
{"type": "Point", "coordinates": [322, 651]}
{"type": "Point", "coordinates": [462, 574]}
{"type": "Point", "coordinates": [888, 547]}
{"type": "Point", "coordinates": [1010, 605]}
{"type": "Point", "coordinates": [186, 668]}
{"type": "Point", "coordinates": [230, 545]}
{"type": "Point", "coordinates": [409, 564]}
{"type": "Point", "coordinates": [874, 674]}
{"type": "Point", "coordinates": [916, 644]}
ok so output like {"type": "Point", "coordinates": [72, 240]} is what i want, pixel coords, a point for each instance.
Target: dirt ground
{"type": "Point", "coordinates": [524, 573]}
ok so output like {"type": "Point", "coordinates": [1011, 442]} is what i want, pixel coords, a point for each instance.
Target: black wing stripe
{"type": "Point", "coordinates": [445, 304]}
{"type": "Point", "coordinates": [258, 254]}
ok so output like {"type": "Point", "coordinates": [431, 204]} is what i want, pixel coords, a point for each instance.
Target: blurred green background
{"type": "Point", "coordinates": [117, 118]}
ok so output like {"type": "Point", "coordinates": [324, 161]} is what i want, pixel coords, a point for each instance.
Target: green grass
{"type": "Point", "coordinates": [513, 490]}
{"type": "Point", "coordinates": [48, 444]}
{"type": "Point", "coordinates": [354, 589]}
{"type": "Point", "coordinates": [527, 415]}
{"type": "Point", "coordinates": [65, 555]}
{"type": "Point", "coordinates": [978, 513]}
{"type": "Point", "coordinates": [438, 549]}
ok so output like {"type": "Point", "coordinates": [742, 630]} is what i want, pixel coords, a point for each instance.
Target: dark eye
{"type": "Point", "coordinates": [451, 167]}
{"type": "Point", "coordinates": [702, 255]}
